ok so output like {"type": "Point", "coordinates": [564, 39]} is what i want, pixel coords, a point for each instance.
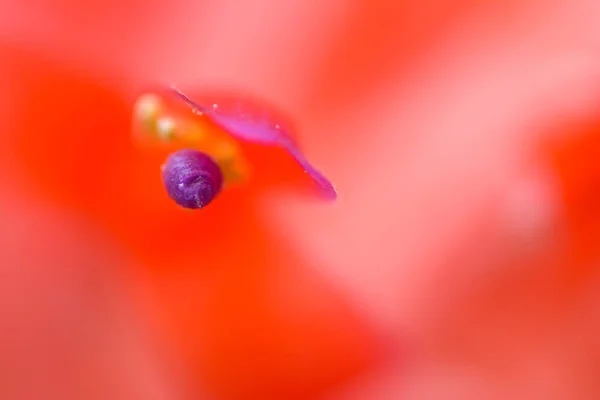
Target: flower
{"type": "Point", "coordinates": [449, 236]}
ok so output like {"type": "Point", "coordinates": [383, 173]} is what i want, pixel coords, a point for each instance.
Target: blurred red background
{"type": "Point", "coordinates": [459, 262]}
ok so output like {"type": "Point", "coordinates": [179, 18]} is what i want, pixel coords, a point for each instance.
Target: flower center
{"type": "Point", "coordinates": [164, 120]}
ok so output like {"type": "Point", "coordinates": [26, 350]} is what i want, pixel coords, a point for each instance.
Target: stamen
{"type": "Point", "coordinates": [166, 128]}
{"type": "Point", "coordinates": [147, 108]}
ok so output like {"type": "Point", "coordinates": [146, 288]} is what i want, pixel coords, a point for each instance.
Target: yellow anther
{"type": "Point", "coordinates": [166, 128]}
{"type": "Point", "coordinates": [147, 108]}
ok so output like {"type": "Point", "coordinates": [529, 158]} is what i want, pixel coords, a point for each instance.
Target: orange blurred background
{"type": "Point", "coordinates": [459, 262]}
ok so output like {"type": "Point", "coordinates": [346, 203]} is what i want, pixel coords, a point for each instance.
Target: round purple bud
{"type": "Point", "coordinates": [192, 178]}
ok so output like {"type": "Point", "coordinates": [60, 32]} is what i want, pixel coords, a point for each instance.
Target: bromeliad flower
{"type": "Point", "coordinates": [243, 314]}
{"type": "Point", "coordinates": [217, 127]}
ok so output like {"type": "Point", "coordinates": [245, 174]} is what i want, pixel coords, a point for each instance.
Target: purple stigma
{"type": "Point", "coordinates": [192, 178]}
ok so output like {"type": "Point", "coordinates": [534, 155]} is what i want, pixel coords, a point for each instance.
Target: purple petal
{"type": "Point", "coordinates": [247, 122]}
